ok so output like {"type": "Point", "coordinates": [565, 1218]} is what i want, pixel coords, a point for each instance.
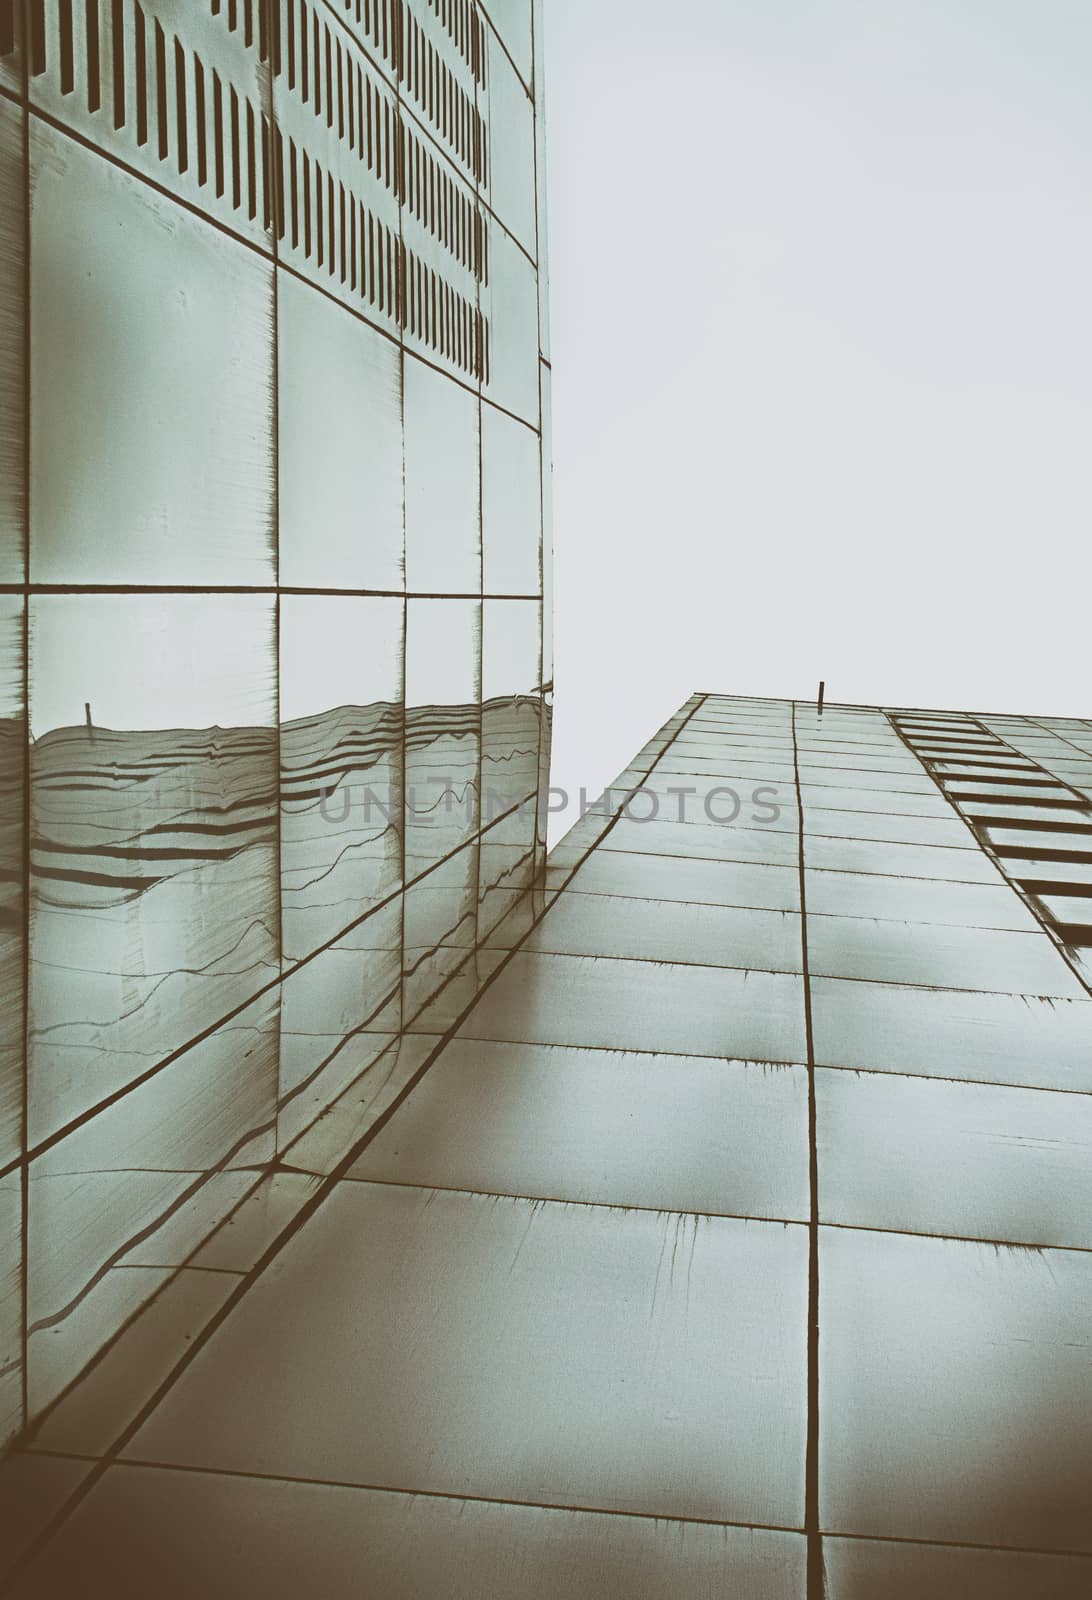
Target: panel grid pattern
{"type": "Point", "coordinates": [273, 623]}
{"type": "Point", "coordinates": [753, 1192]}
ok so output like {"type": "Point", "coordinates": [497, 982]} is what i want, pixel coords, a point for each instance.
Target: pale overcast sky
{"type": "Point", "coordinates": [822, 343]}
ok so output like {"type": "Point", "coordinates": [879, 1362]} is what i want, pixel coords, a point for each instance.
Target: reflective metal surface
{"type": "Point", "coordinates": [272, 647]}
{"type": "Point", "coordinates": [770, 1231]}
{"type": "Point", "coordinates": [381, 1208]}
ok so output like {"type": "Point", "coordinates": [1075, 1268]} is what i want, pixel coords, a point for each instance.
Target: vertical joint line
{"type": "Point", "coordinates": [25, 873]}
{"type": "Point", "coordinates": [815, 1579]}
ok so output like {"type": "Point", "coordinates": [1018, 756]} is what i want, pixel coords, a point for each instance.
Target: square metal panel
{"type": "Point", "coordinates": [677, 1133]}
{"type": "Point", "coordinates": [955, 1390]}
{"type": "Point", "coordinates": [431, 1338]}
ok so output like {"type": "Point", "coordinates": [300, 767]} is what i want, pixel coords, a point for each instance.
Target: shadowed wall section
{"type": "Point", "coordinates": [274, 688]}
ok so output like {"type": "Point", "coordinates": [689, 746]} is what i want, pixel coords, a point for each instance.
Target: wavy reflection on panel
{"type": "Point", "coordinates": [154, 913]}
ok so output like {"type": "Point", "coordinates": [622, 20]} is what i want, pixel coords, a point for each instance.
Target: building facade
{"type": "Point", "coordinates": [737, 1240]}
{"type": "Point", "coordinates": [274, 600]}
